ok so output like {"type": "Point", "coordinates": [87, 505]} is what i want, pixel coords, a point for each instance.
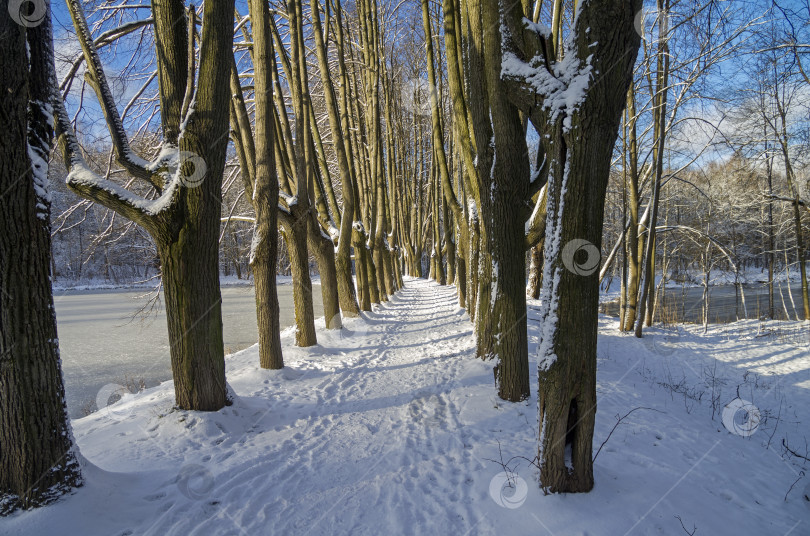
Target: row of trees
{"type": "Point", "coordinates": [208, 95]}
{"type": "Point", "coordinates": [328, 125]}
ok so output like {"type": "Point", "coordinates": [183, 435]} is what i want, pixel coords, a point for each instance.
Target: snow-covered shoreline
{"type": "Point", "coordinates": [391, 426]}
{"type": "Point", "coordinates": [61, 285]}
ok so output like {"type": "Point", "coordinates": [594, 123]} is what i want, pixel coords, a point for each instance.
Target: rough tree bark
{"type": "Point", "coordinates": [599, 55]}
{"type": "Point", "coordinates": [505, 212]}
{"type": "Point", "coordinates": [37, 459]}
{"type": "Point", "coordinates": [264, 193]}
{"type": "Point", "coordinates": [535, 271]}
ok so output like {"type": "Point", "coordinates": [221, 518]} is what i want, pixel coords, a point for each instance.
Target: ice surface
{"type": "Point", "coordinates": [100, 344]}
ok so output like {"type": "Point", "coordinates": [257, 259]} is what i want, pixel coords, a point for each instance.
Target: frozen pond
{"type": "Point", "coordinates": [725, 303]}
{"type": "Point", "coordinates": [101, 343]}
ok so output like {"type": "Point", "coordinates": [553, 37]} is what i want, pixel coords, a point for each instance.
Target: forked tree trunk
{"type": "Point", "coordinates": [647, 298]}
{"type": "Point", "coordinates": [185, 226]}
{"type": "Point", "coordinates": [296, 224]}
{"type": "Point", "coordinates": [580, 143]}
{"type": "Point", "coordinates": [188, 238]}
{"type": "Point", "coordinates": [339, 125]}
{"type": "Point", "coordinates": [37, 460]}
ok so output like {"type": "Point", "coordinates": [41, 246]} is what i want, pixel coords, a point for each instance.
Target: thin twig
{"type": "Point", "coordinates": [801, 475]}
{"type": "Point", "coordinates": [618, 422]}
{"type": "Point", "coordinates": [694, 528]}
{"type": "Point", "coordinates": [784, 444]}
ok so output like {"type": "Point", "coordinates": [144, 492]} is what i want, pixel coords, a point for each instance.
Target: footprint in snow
{"type": "Point", "coordinates": [291, 374]}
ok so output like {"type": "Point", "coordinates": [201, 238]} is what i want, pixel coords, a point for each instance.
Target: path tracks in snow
{"type": "Point", "coordinates": [376, 444]}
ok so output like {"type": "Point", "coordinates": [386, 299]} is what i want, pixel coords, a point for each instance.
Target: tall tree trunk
{"type": "Point", "coordinates": [797, 216]}
{"type": "Point", "coordinates": [437, 257]}
{"type": "Point", "coordinates": [338, 122]}
{"type": "Point", "coordinates": [264, 254]}
{"type": "Point", "coordinates": [185, 225]}
{"type": "Point", "coordinates": [188, 241]}
{"type": "Point", "coordinates": [37, 459]}
{"type": "Point", "coordinates": [296, 224]}
{"type": "Point", "coordinates": [634, 242]}
{"type": "Point", "coordinates": [580, 144]}
{"type": "Point", "coordinates": [770, 242]}
{"type": "Point", "coordinates": [659, 117]}
{"type": "Point", "coordinates": [502, 307]}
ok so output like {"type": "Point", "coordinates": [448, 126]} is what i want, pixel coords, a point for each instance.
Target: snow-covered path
{"type": "Point", "coordinates": [366, 444]}
{"type": "Point", "coordinates": [390, 426]}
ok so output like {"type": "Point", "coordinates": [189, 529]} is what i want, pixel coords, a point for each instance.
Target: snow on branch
{"type": "Point", "coordinates": [134, 164]}
{"type": "Point", "coordinates": [562, 89]}
{"type": "Point", "coordinates": [560, 85]}
{"type": "Point", "coordinates": [85, 182]}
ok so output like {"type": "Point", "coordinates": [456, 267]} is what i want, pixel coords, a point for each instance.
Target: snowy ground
{"type": "Point", "coordinates": [390, 426]}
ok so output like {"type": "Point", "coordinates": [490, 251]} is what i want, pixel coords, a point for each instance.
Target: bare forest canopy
{"type": "Point", "coordinates": [733, 65]}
